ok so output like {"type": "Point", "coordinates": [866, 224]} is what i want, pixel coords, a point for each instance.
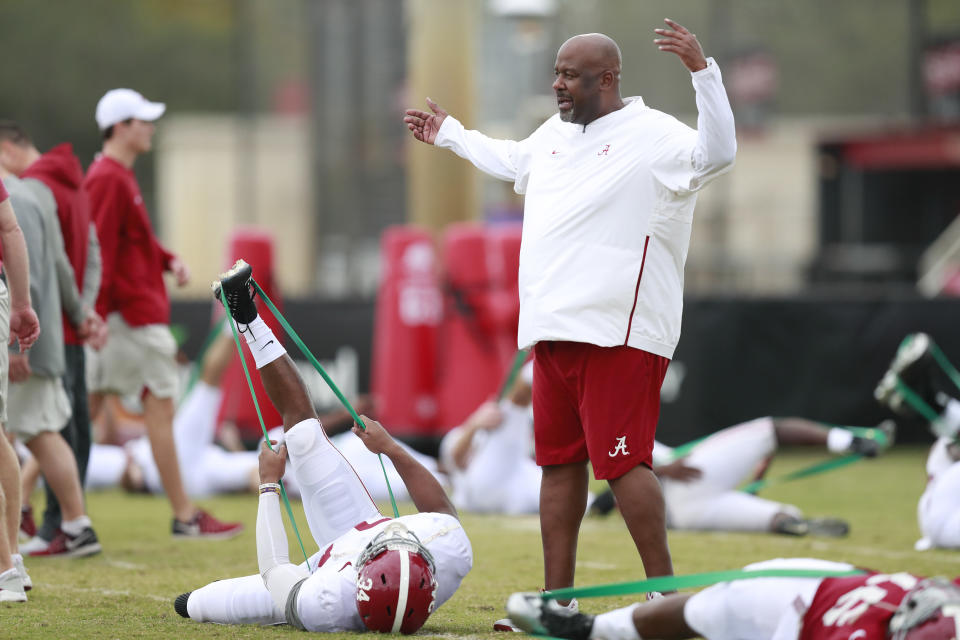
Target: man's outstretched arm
{"type": "Point", "coordinates": [497, 158]}
{"type": "Point", "coordinates": [426, 492]}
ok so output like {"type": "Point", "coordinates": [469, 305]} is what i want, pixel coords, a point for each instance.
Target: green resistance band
{"type": "Point", "coordinates": [333, 387]}
{"type": "Point", "coordinates": [673, 583]}
{"type": "Point", "coordinates": [515, 367]}
{"type": "Point", "coordinates": [948, 368]}
{"type": "Point", "coordinates": [256, 405]}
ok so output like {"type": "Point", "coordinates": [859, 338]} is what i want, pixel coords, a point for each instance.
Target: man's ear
{"type": "Point", "coordinates": [607, 79]}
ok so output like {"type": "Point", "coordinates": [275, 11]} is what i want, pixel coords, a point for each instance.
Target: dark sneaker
{"type": "Point", "coordinates": [238, 290]}
{"type": "Point", "coordinates": [180, 604]}
{"type": "Point", "coordinates": [28, 527]}
{"type": "Point", "coordinates": [531, 613]}
{"type": "Point", "coordinates": [791, 526]}
{"type": "Point", "coordinates": [66, 546]}
{"type": "Point", "coordinates": [205, 525]}
{"type": "Point", "coordinates": [828, 527]}
{"type": "Point", "coordinates": [872, 442]}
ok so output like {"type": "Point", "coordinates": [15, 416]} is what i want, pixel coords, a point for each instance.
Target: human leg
{"type": "Point", "coordinates": [234, 601]}
{"type": "Point", "coordinates": [333, 497]}
{"type": "Point", "coordinates": [76, 433]}
{"type": "Point", "coordinates": [158, 417]}
{"type": "Point", "coordinates": [563, 501]}
{"type": "Point", "coordinates": [641, 503]}
{"type": "Point", "coordinates": [562, 453]}
{"type": "Point", "coordinates": [9, 502]}
{"type": "Point", "coordinates": [620, 407]}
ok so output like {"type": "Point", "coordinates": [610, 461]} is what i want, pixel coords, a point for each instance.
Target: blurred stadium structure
{"type": "Point", "coordinates": [287, 114]}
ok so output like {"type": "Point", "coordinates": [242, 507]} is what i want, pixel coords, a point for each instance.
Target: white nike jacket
{"type": "Point", "coordinates": [607, 215]}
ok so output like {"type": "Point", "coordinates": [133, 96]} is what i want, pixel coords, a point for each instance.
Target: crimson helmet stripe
{"type": "Point", "coordinates": [404, 590]}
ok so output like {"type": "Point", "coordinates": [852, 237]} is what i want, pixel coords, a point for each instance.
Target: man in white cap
{"type": "Point", "coordinates": [139, 355]}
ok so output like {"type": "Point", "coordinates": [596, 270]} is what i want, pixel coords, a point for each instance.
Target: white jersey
{"type": "Point", "coordinates": [327, 601]}
{"type": "Point", "coordinates": [607, 215]}
{"type": "Point", "coordinates": [938, 510]}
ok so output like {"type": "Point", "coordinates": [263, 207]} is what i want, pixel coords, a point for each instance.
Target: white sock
{"type": "Point", "coordinates": [263, 344]}
{"type": "Point", "coordinates": [839, 440]}
{"type": "Point", "coordinates": [615, 625]}
{"type": "Point", "coordinates": [76, 526]}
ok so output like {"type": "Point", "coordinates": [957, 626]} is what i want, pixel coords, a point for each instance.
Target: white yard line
{"type": "Point", "coordinates": [49, 586]}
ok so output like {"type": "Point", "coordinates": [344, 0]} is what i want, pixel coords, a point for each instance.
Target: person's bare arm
{"type": "Point", "coordinates": [426, 492]}
{"type": "Point", "coordinates": [487, 416]}
{"type": "Point", "coordinates": [24, 325]}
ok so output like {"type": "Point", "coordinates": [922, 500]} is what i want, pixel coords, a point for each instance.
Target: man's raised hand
{"type": "Point", "coordinates": [678, 40]}
{"type": "Point", "coordinates": [423, 124]}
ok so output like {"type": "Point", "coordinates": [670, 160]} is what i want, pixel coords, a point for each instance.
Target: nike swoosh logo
{"type": "Point", "coordinates": [266, 345]}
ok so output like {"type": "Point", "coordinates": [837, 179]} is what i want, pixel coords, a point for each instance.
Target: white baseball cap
{"type": "Point", "coordinates": [118, 105]}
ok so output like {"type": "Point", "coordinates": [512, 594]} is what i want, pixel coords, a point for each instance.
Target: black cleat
{"type": "Point", "coordinates": [874, 441]}
{"type": "Point", "coordinates": [238, 289]}
{"type": "Point", "coordinates": [531, 613]}
{"type": "Point", "coordinates": [180, 604]}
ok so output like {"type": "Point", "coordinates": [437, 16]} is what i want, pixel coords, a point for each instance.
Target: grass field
{"type": "Point", "coordinates": [128, 590]}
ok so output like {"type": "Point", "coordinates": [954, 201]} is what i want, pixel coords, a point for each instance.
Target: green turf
{"type": "Point", "coordinates": [128, 590]}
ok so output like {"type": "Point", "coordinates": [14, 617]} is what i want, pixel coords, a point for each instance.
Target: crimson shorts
{"type": "Point", "coordinates": [596, 403]}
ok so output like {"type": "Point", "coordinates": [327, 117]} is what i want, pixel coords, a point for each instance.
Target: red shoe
{"type": "Point", "coordinates": [205, 525]}
{"type": "Point", "coordinates": [28, 528]}
{"type": "Point", "coordinates": [67, 546]}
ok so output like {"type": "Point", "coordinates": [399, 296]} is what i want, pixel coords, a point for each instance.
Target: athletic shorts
{"type": "Point", "coordinates": [134, 358]}
{"type": "Point", "coordinates": [596, 403]}
{"type": "Point", "coordinates": [37, 405]}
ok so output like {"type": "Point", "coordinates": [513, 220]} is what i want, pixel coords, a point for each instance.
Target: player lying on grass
{"type": "Point", "coordinates": [491, 469]}
{"type": "Point", "coordinates": [370, 571]}
{"type": "Point", "coordinates": [916, 368]}
{"type": "Point", "coordinates": [871, 606]}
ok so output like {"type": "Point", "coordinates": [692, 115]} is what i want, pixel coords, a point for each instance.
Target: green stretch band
{"type": "Point", "coordinates": [673, 583]}
{"type": "Point", "coordinates": [515, 367]}
{"type": "Point", "coordinates": [256, 405]}
{"type": "Point", "coordinates": [812, 470]}
{"type": "Point", "coordinates": [333, 387]}
{"type": "Point", "coordinates": [917, 403]}
{"type": "Point", "coordinates": [948, 368]}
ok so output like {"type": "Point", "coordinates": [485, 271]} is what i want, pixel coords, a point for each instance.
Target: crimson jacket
{"type": "Point", "coordinates": [133, 258]}
{"type": "Point", "coordinates": [60, 170]}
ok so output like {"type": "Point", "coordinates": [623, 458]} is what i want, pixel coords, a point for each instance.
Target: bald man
{"type": "Point", "coordinates": [610, 188]}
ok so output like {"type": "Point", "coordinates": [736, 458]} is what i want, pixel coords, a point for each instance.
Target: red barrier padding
{"type": "Point", "coordinates": [408, 314]}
